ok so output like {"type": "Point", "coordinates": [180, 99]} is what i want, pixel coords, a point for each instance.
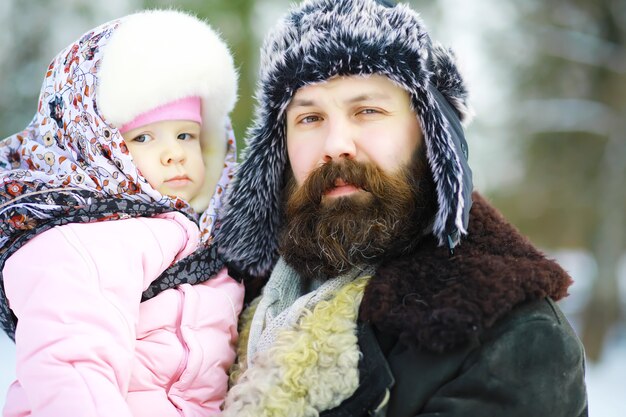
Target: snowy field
{"type": "Point", "coordinates": [605, 382]}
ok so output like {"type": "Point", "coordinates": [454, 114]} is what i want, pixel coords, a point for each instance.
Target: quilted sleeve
{"type": "Point", "coordinates": [75, 290]}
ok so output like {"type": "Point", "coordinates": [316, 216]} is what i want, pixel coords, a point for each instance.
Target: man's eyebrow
{"type": "Point", "coordinates": [300, 102]}
{"type": "Point", "coordinates": [369, 96]}
{"type": "Point", "coordinates": [303, 102]}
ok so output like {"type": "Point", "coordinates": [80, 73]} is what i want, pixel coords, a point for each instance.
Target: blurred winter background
{"type": "Point", "coordinates": [548, 144]}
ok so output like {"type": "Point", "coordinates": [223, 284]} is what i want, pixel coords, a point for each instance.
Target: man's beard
{"type": "Point", "coordinates": [323, 238]}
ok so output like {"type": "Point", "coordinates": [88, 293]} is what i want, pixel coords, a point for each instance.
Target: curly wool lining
{"type": "Point", "coordinates": [282, 303]}
{"type": "Point", "coordinates": [311, 367]}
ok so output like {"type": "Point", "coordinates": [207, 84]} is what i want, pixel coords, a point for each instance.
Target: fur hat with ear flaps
{"type": "Point", "coordinates": [315, 41]}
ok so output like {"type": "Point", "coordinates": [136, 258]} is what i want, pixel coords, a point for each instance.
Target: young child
{"type": "Point", "coordinates": [111, 286]}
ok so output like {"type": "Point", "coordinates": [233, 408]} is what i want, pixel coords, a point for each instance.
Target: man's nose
{"type": "Point", "coordinates": [340, 141]}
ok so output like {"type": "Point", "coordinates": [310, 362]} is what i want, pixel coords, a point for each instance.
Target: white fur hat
{"type": "Point", "coordinates": [157, 56]}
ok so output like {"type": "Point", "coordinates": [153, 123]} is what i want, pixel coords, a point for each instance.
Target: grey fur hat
{"type": "Point", "coordinates": [315, 41]}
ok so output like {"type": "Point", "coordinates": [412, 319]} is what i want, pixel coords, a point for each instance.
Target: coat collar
{"type": "Point", "coordinates": [375, 379]}
{"type": "Point", "coordinates": [436, 301]}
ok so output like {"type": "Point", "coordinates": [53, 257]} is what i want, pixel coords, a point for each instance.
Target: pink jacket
{"type": "Point", "coordinates": [87, 347]}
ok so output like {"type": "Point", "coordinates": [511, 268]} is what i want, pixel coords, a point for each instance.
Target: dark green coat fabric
{"type": "Point", "coordinates": [529, 364]}
{"type": "Point", "coordinates": [473, 335]}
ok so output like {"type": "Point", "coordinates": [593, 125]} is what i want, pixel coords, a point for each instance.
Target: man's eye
{"type": "Point", "coordinates": [369, 111]}
{"type": "Point", "coordinates": [309, 119]}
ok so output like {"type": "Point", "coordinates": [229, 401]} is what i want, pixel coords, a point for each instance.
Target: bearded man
{"type": "Point", "coordinates": [390, 289]}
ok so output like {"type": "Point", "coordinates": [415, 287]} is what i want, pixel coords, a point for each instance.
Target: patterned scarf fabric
{"type": "Point", "coordinates": [71, 165]}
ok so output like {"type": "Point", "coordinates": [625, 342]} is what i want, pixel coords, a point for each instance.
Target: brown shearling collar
{"type": "Point", "coordinates": [436, 301]}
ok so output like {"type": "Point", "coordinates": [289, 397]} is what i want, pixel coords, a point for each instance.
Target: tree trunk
{"type": "Point", "coordinates": [603, 310]}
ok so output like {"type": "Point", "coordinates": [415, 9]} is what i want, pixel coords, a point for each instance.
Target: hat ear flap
{"type": "Point", "coordinates": [447, 79]}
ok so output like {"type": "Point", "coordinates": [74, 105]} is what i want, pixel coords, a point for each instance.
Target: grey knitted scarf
{"type": "Point", "coordinates": [283, 302]}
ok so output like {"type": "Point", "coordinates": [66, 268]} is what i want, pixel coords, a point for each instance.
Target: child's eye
{"type": "Point", "coordinates": [142, 138]}
{"type": "Point", "coordinates": [185, 136]}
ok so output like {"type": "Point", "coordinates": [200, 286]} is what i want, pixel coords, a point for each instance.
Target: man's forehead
{"type": "Point", "coordinates": [370, 87]}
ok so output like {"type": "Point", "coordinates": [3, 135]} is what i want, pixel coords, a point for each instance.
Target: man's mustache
{"type": "Point", "coordinates": [324, 178]}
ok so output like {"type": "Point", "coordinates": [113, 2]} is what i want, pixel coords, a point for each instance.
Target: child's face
{"type": "Point", "coordinates": [168, 155]}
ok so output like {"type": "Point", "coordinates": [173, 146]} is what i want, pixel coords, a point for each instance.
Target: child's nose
{"type": "Point", "coordinates": [173, 154]}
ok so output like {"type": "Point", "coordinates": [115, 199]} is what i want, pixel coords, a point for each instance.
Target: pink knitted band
{"type": "Point", "coordinates": [189, 108]}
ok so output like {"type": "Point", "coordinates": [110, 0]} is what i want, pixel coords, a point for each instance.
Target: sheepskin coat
{"type": "Point", "coordinates": [472, 334]}
{"type": "Point", "coordinates": [476, 334]}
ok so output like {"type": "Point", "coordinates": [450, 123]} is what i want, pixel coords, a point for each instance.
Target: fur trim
{"type": "Point", "coordinates": [158, 56]}
{"type": "Point", "coordinates": [439, 302]}
{"type": "Point", "coordinates": [449, 82]}
{"type": "Point", "coordinates": [245, 324]}
{"type": "Point", "coordinates": [311, 368]}
{"type": "Point", "coordinates": [321, 39]}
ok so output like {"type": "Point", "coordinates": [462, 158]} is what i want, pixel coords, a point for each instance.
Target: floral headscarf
{"type": "Point", "coordinates": [71, 165]}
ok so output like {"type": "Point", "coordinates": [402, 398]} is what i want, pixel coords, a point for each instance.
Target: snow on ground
{"type": "Point", "coordinates": [7, 365]}
{"type": "Point", "coordinates": [605, 381]}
